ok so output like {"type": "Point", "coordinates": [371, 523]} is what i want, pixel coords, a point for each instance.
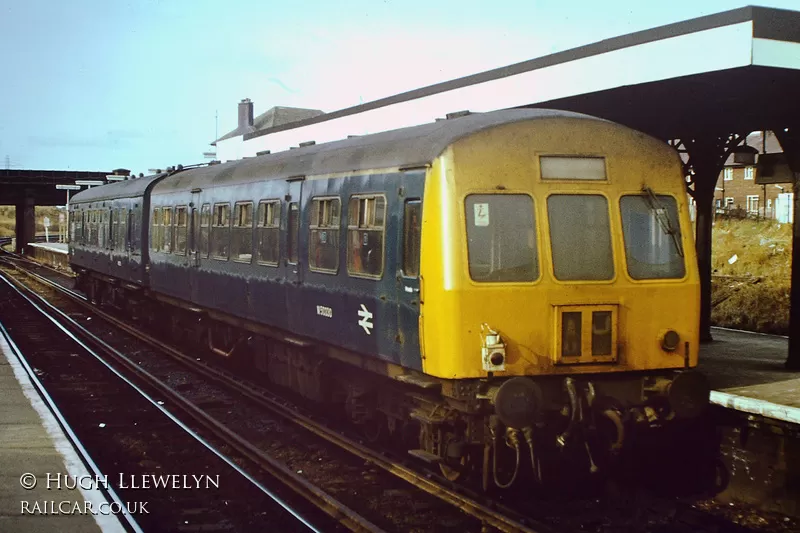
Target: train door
{"type": "Point", "coordinates": [409, 304]}
{"type": "Point", "coordinates": [196, 247]}
{"type": "Point", "coordinates": [193, 238]}
{"type": "Point", "coordinates": [294, 272]}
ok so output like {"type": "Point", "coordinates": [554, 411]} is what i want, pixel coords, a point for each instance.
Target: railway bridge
{"type": "Point", "coordinates": [25, 189]}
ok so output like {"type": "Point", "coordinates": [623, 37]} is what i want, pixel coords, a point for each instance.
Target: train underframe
{"type": "Point", "coordinates": [495, 431]}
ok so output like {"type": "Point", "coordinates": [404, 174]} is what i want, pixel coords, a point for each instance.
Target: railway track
{"type": "Point", "coordinates": [88, 389]}
{"type": "Point", "coordinates": [638, 512]}
{"type": "Point", "coordinates": [456, 510]}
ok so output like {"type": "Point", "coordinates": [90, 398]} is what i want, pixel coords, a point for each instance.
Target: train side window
{"type": "Point", "coordinates": [221, 231]}
{"type": "Point", "coordinates": [269, 226]}
{"type": "Point", "coordinates": [412, 227]}
{"type": "Point", "coordinates": [366, 219]}
{"type": "Point", "coordinates": [242, 239]}
{"type": "Point", "coordinates": [166, 218]}
{"type": "Point", "coordinates": [323, 246]}
{"type": "Point", "coordinates": [155, 230]}
{"type": "Point", "coordinates": [181, 229]}
{"type": "Point", "coordinates": [205, 228]}
{"type": "Point", "coordinates": [294, 232]}
{"type": "Point", "coordinates": [580, 237]}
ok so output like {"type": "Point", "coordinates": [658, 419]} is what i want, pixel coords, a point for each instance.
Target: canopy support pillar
{"type": "Point", "coordinates": [707, 157]}
{"type": "Point", "coordinates": [790, 142]}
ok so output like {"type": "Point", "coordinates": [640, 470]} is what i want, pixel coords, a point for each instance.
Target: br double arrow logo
{"type": "Point", "coordinates": [366, 319]}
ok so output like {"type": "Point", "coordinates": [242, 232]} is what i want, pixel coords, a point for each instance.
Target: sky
{"type": "Point", "coordinates": [141, 84]}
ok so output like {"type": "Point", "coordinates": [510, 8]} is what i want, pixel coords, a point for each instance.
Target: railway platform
{"type": "Point", "coordinates": [759, 448]}
{"type": "Point", "coordinates": [33, 445]}
{"type": "Point", "coordinates": [54, 254]}
{"type": "Point", "coordinates": [747, 374]}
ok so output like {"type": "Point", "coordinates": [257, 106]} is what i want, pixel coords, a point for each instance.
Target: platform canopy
{"type": "Point", "coordinates": [731, 71]}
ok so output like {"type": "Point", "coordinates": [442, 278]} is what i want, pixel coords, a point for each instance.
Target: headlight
{"type": "Point", "coordinates": [670, 341]}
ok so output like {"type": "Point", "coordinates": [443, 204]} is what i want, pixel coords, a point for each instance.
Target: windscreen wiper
{"type": "Point", "coordinates": [662, 215]}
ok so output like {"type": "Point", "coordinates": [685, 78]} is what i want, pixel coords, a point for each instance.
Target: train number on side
{"type": "Point", "coordinates": [325, 311]}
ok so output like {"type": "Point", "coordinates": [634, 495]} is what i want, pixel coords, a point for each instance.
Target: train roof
{"type": "Point", "coordinates": [407, 147]}
{"type": "Point", "coordinates": [120, 189]}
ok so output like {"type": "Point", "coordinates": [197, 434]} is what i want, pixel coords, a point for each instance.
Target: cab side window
{"type": "Point", "coordinates": [412, 231]}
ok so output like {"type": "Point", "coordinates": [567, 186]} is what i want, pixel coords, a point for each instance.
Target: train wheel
{"type": "Point", "coordinates": [376, 428]}
{"type": "Point", "coordinates": [451, 473]}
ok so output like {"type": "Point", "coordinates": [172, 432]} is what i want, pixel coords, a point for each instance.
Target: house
{"type": "Point", "coordinates": [737, 191]}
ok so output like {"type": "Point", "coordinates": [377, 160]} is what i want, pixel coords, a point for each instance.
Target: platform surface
{"type": "Point", "coordinates": [751, 366]}
{"type": "Point", "coordinates": [33, 443]}
{"type": "Point", "coordinates": [58, 247]}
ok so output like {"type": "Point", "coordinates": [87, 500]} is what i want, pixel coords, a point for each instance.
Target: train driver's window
{"type": "Point", "coordinates": [580, 237]}
{"type": "Point", "coordinates": [651, 230]}
{"type": "Point", "coordinates": [155, 230]}
{"type": "Point", "coordinates": [242, 239]}
{"type": "Point", "coordinates": [205, 228]}
{"type": "Point", "coordinates": [181, 230]}
{"type": "Point", "coordinates": [412, 228]}
{"type": "Point", "coordinates": [269, 227]}
{"type": "Point", "coordinates": [221, 231]}
{"type": "Point", "coordinates": [501, 238]}
{"type": "Point", "coordinates": [366, 221]}
{"type": "Point", "coordinates": [323, 242]}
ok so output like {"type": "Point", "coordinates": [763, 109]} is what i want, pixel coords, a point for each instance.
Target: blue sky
{"type": "Point", "coordinates": [97, 85]}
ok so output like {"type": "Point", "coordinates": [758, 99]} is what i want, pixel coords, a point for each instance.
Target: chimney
{"type": "Point", "coordinates": [245, 114]}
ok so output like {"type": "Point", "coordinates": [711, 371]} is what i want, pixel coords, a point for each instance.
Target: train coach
{"type": "Point", "coordinates": [475, 286]}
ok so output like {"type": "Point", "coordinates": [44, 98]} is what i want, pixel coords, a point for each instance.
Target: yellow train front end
{"type": "Point", "coordinates": [559, 277]}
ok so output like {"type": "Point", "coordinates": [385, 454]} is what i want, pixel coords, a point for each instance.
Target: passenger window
{"type": "Point", "coordinates": [366, 218]}
{"type": "Point", "coordinates": [242, 242]}
{"type": "Point", "coordinates": [155, 232]}
{"type": "Point", "coordinates": [122, 230]}
{"type": "Point", "coordinates": [114, 229]}
{"type": "Point", "coordinates": [269, 226]}
{"type": "Point", "coordinates": [294, 232]}
{"type": "Point", "coordinates": [205, 227]}
{"type": "Point", "coordinates": [103, 222]}
{"type": "Point", "coordinates": [412, 228]}
{"type": "Point", "coordinates": [166, 243]}
{"type": "Point", "coordinates": [580, 237]}
{"type": "Point", "coordinates": [220, 231]}
{"type": "Point", "coordinates": [501, 238]}
{"type": "Point", "coordinates": [181, 228]}
{"type": "Point", "coordinates": [323, 245]}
